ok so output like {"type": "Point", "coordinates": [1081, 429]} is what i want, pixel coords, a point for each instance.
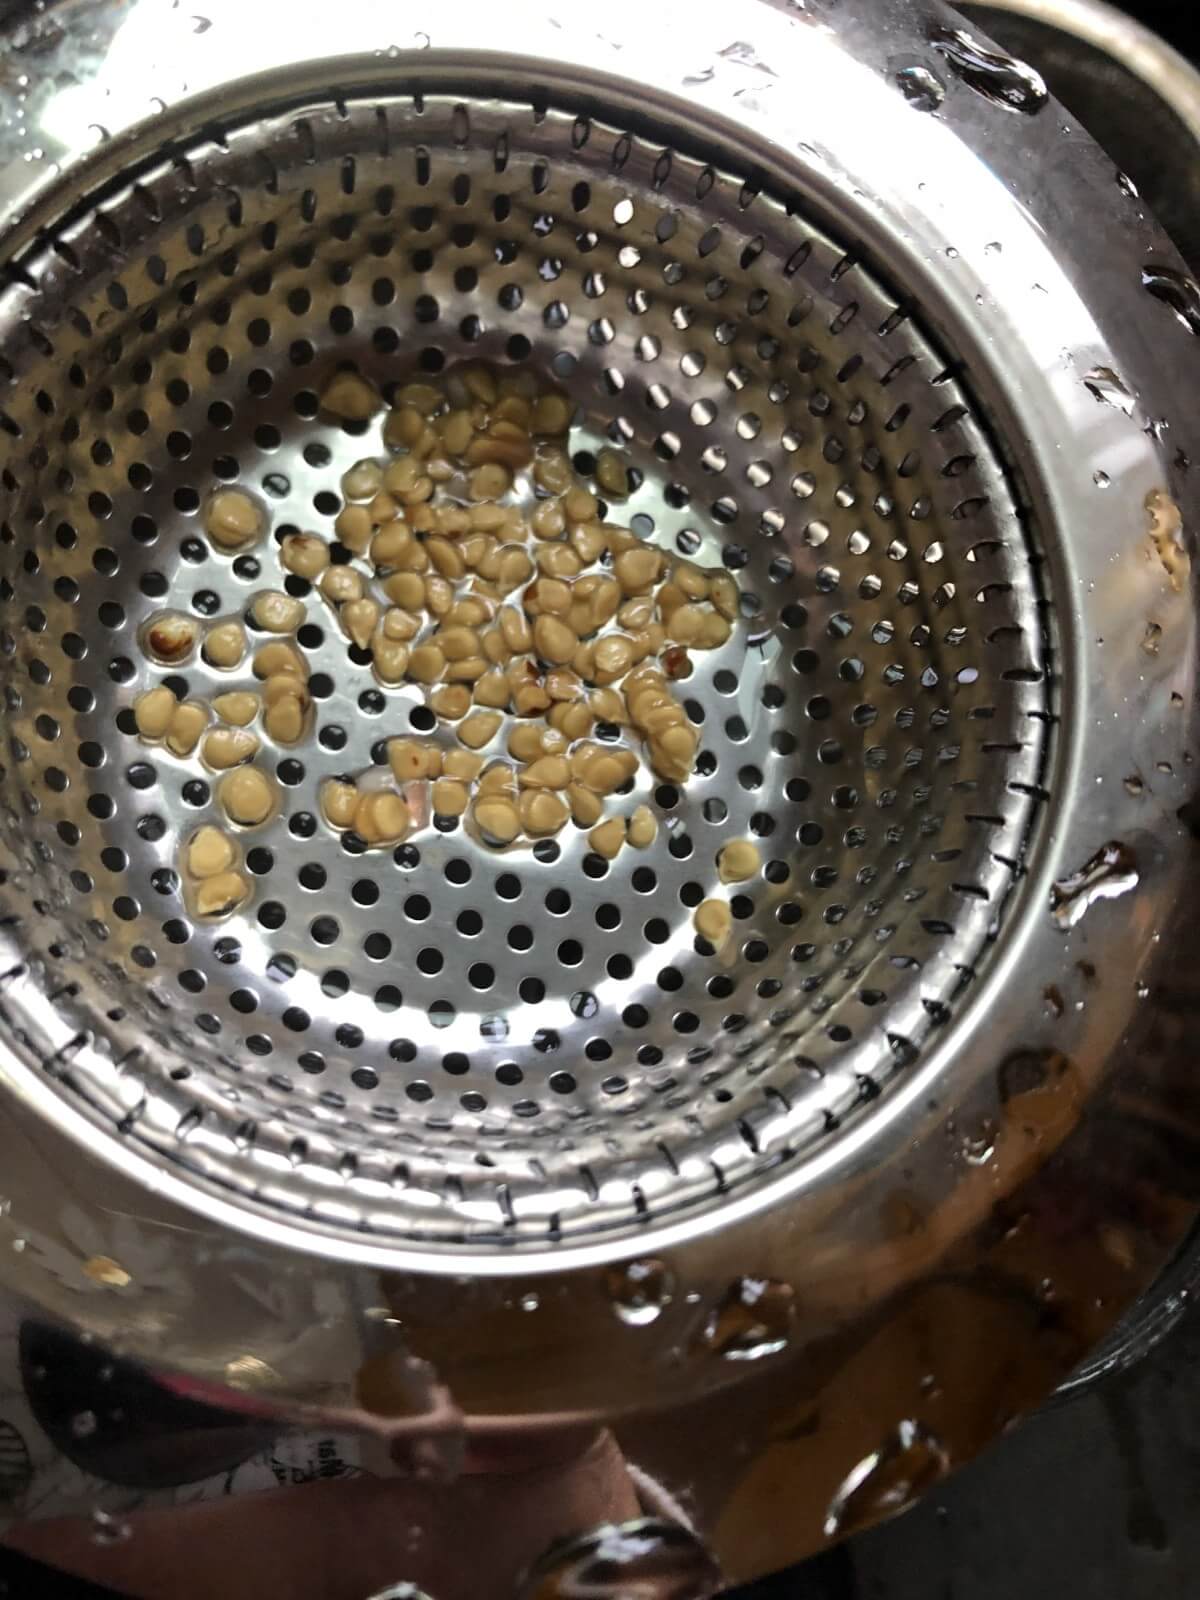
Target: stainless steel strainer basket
{"type": "Point", "coordinates": [886, 338]}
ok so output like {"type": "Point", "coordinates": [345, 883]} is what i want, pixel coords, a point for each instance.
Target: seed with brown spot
{"type": "Point", "coordinates": [170, 637]}
{"type": "Point", "coordinates": [411, 759]}
{"type": "Point", "coordinates": [247, 795]}
{"type": "Point", "coordinates": [712, 920]}
{"type": "Point", "coordinates": [208, 852]}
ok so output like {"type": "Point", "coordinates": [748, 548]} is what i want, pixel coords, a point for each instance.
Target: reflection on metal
{"type": "Point", "coordinates": [943, 542]}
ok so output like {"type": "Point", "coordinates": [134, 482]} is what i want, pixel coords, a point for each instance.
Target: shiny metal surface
{"type": "Point", "coordinates": [1011, 1190]}
{"type": "Point", "coordinates": [1138, 97]}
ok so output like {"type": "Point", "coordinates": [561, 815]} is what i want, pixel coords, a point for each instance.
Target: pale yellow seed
{"type": "Point", "coordinates": [277, 612]}
{"type": "Point", "coordinates": [411, 759]}
{"type": "Point", "coordinates": [714, 632]}
{"type": "Point", "coordinates": [238, 708]}
{"type": "Point", "coordinates": [350, 397]}
{"type": "Point", "coordinates": [453, 521]}
{"type": "Point", "coordinates": [479, 728]}
{"type": "Point", "coordinates": [247, 796]}
{"type": "Point", "coordinates": [363, 480]}
{"type": "Point", "coordinates": [513, 568]}
{"type": "Point", "coordinates": [470, 612]}
{"type": "Point", "coordinates": [209, 851]}
{"type": "Point", "coordinates": [551, 414]}
{"type": "Point", "coordinates": [457, 431]}
{"type": "Point", "coordinates": [547, 521]}
{"type": "Point", "coordinates": [686, 623]}
{"type": "Point", "coordinates": [547, 597]}
{"type": "Point", "coordinates": [401, 476]}
{"type": "Point", "coordinates": [571, 718]}
{"type": "Point", "coordinates": [286, 719]}
{"type": "Point", "coordinates": [499, 779]}
{"type": "Point", "coordinates": [399, 626]}
{"type": "Point", "coordinates": [562, 684]}
{"type": "Point", "coordinates": [515, 629]}
{"type": "Point", "coordinates": [489, 480]}
{"type": "Point", "coordinates": [548, 772]}
{"type": "Point", "coordinates": [607, 838]}
{"type": "Point", "coordinates": [222, 894]}
{"type": "Point", "coordinates": [738, 860]}
{"type": "Point", "coordinates": [673, 752]}
{"type": "Point", "coordinates": [338, 802]}
{"type": "Point", "coordinates": [381, 817]}
{"type": "Point", "coordinates": [553, 473]}
{"type": "Point", "coordinates": [354, 526]}
{"type": "Point", "coordinates": [605, 601]}
{"type": "Point", "coordinates": [712, 920]}
{"type": "Point", "coordinates": [612, 475]}
{"type": "Point", "coordinates": [620, 539]}
{"type": "Point", "coordinates": [281, 684]}
{"type": "Point", "coordinates": [467, 671]}
{"type": "Point", "coordinates": [446, 558]}
{"type": "Point", "coordinates": [359, 619]}
{"type": "Point", "coordinates": [542, 813]}
{"type": "Point", "coordinates": [723, 592]}
{"type": "Point", "coordinates": [225, 646]}
{"type": "Point", "coordinates": [643, 828]}
{"type": "Point", "coordinates": [588, 542]}
{"type": "Point", "coordinates": [426, 664]}
{"type": "Point", "coordinates": [456, 644]}
{"type": "Point", "coordinates": [451, 701]}
{"type": "Point", "coordinates": [422, 397]}
{"type": "Point", "coordinates": [406, 589]}
{"type": "Point", "coordinates": [505, 444]}
{"type": "Point", "coordinates": [608, 705]}
{"type": "Point", "coordinates": [223, 748]}
{"type": "Point", "coordinates": [390, 545]}
{"type": "Point", "coordinates": [232, 519]}
{"type": "Point", "coordinates": [637, 571]}
{"type": "Point", "coordinates": [497, 819]}
{"type": "Point", "coordinates": [649, 641]}
{"type": "Point", "coordinates": [516, 409]}
{"type": "Point", "coordinates": [690, 580]}
{"type": "Point", "coordinates": [439, 595]}
{"type": "Point", "coordinates": [187, 724]}
{"type": "Point", "coordinates": [612, 657]}
{"type": "Point", "coordinates": [670, 597]}
{"type": "Point", "coordinates": [402, 429]}
{"type": "Point", "coordinates": [558, 561]}
{"type": "Point", "coordinates": [479, 382]}
{"type": "Point", "coordinates": [586, 808]}
{"type": "Point", "coordinates": [635, 614]}
{"type": "Point", "coordinates": [464, 765]}
{"type": "Point", "coordinates": [450, 797]}
{"type": "Point", "coordinates": [152, 712]}
{"type": "Point", "coordinates": [493, 689]}
{"type": "Point", "coordinates": [342, 585]}
{"type": "Point", "coordinates": [478, 548]}
{"type": "Point", "coordinates": [580, 505]}
{"type": "Point", "coordinates": [496, 648]}
{"type": "Point", "coordinates": [553, 640]}
{"type": "Point", "coordinates": [488, 517]}
{"type": "Point", "coordinates": [304, 554]}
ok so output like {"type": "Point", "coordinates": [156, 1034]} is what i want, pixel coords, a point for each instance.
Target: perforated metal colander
{"type": "Point", "coordinates": [920, 419]}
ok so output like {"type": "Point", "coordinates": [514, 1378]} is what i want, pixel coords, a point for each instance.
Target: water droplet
{"type": "Point", "coordinates": [923, 89]}
{"type": "Point", "coordinates": [1135, 785]}
{"type": "Point", "coordinates": [1104, 385]}
{"type": "Point", "coordinates": [109, 1530]}
{"type": "Point", "coordinates": [639, 1291]}
{"type": "Point", "coordinates": [994, 248]}
{"type": "Point", "coordinates": [83, 1424]}
{"type": "Point", "coordinates": [529, 1302]}
{"type": "Point", "coordinates": [951, 253]}
{"type": "Point", "coordinates": [649, 1559]}
{"type": "Point", "coordinates": [996, 75]}
{"type": "Point", "coordinates": [1178, 291]}
{"type": "Point", "coordinates": [746, 56]}
{"type": "Point", "coordinates": [753, 1320]}
{"type": "Point", "coordinates": [1127, 186]}
{"type": "Point", "coordinates": [1041, 1092]}
{"type": "Point", "coordinates": [907, 1463]}
{"type": "Point", "coordinates": [1052, 995]}
{"type": "Point", "coordinates": [1111, 872]}
{"type": "Point", "coordinates": [201, 24]}
{"type": "Point", "coordinates": [422, 41]}
{"type": "Point", "coordinates": [1142, 991]}
{"type": "Point", "coordinates": [705, 75]}
{"type": "Point", "coordinates": [1101, 478]}
{"type": "Point", "coordinates": [20, 1246]}
{"type": "Point", "coordinates": [979, 1145]}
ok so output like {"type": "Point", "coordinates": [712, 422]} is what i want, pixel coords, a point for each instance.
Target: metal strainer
{"type": "Point", "coordinates": [794, 264]}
